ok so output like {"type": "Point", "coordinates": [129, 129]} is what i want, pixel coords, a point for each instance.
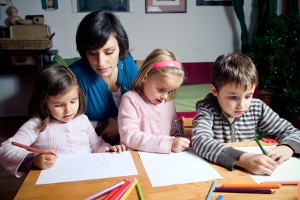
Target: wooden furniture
{"type": "Point", "coordinates": [16, 59]}
{"type": "Point", "coordinates": [199, 190]}
{"type": "Point", "coordinates": [186, 125]}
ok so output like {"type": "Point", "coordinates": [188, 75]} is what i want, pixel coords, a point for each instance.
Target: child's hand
{"type": "Point", "coordinates": [180, 144]}
{"type": "Point", "coordinates": [44, 161]}
{"type": "Point", "coordinates": [280, 153]}
{"type": "Point", "coordinates": [116, 148]}
{"type": "Point", "coordinates": [257, 163]}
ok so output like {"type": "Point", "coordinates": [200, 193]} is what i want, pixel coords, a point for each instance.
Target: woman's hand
{"type": "Point", "coordinates": [116, 148]}
{"type": "Point", "coordinates": [44, 161]}
{"type": "Point", "coordinates": [111, 133]}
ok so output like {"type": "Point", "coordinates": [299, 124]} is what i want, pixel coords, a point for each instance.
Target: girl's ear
{"type": "Point", "coordinates": [145, 79]}
{"type": "Point", "coordinates": [213, 90]}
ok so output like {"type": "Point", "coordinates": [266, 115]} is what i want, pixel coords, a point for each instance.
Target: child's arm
{"type": "Point", "coordinates": [280, 129]}
{"type": "Point", "coordinates": [280, 153]}
{"type": "Point", "coordinates": [44, 161]}
{"type": "Point", "coordinates": [11, 156]}
{"type": "Point", "coordinates": [140, 127]}
{"type": "Point", "coordinates": [180, 144]}
{"type": "Point", "coordinates": [257, 163]}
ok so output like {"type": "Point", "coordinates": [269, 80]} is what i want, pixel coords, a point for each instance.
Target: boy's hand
{"type": "Point", "coordinates": [280, 153]}
{"type": "Point", "coordinates": [116, 148]}
{"type": "Point", "coordinates": [180, 144]}
{"type": "Point", "coordinates": [44, 161]}
{"type": "Point", "coordinates": [257, 163]}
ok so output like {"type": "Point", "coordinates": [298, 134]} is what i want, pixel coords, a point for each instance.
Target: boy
{"type": "Point", "coordinates": [229, 114]}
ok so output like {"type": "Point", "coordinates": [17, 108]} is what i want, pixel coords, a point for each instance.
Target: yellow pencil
{"type": "Point", "coordinates": [125, 195]}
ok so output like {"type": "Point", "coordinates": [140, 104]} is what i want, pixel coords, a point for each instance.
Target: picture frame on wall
{"type": "Point", "coordinates": [165, 6]}
{"type": "Point", "coordinates": [213, 3]}
{"type": "Point", "coordinates": [49, 4]}
{"type": "Point", "coordinates": [107, 5]}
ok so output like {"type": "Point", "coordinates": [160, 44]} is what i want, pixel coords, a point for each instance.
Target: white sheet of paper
{"type": "Point", "coordinates": [287, 171]}
{"type": "Point", "coordinates": [75, 167]}
{"type": "Point", "coordinates": [177, 168]}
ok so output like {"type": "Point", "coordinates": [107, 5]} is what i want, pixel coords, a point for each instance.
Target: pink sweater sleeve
{"type": "Point", "coordinates": [144, 126]}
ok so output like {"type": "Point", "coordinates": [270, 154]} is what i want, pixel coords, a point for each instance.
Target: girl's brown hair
{"type": "Point", "coordinates": [52, 81]}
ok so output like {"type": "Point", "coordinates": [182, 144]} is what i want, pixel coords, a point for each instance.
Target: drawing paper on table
{"type": "Point", "coordinates": [75, 167]}
{"type": "Point", "coordinates": [287, 171]}
{"type": "Point", "coordinates": [177, 168]}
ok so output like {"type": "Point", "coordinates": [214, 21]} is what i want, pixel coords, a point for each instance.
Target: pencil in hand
{"type": "Point", "coordinates": [32, 149]}
{"type": "Point", "coordinates": [260, 146]}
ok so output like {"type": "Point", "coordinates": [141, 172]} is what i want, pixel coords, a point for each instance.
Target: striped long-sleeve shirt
{"type": "Point", "coordinates": [211, 129]}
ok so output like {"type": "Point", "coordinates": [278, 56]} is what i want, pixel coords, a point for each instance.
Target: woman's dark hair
{"type": "Point", "coordinates": [94, 31]}
{"type": "Point", "coordinates": [52, 81]}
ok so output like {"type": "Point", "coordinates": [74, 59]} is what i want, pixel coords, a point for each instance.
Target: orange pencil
{"type": "Point", "coordinates": [298, 191]}
{"type": "Point", "coordinates": [282, 182]}
{"type": "Point", "coordinates": [32, 149]}
{"type": "Point", "coordinates": [251, 185]}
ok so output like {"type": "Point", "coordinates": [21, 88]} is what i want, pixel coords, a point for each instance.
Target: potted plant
{"type": "Point", "coordinates": [276, 55]}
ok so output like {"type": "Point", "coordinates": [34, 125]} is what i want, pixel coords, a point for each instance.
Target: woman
{"type": "Point", "coordinates": [105, 71]}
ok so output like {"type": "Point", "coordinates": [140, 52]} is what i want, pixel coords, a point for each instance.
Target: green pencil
{"type": "Point", "coordinates": [138, 187]}
{"type": "Point", "coordinates": [261, 148]}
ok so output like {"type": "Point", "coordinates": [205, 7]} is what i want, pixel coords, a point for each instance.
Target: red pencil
{"type": "Point", "coordinates": [32, 149]}
{"type": "Point", "coordinates": [114, 192]}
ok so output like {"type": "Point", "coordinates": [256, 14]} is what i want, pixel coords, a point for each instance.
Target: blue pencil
{"type": "Point", "coordinates": [211, 190]}
{"type": "Point", "coordinates": [178, 127]}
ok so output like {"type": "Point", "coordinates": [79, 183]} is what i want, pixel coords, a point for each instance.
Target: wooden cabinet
{"type": "Point", "coordinates": [18, 69]}
{"type": "Point", "coordinates": [26, 58]}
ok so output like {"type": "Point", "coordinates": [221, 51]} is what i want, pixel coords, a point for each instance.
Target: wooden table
{"type": "Point", "coordinates": [83, 189]}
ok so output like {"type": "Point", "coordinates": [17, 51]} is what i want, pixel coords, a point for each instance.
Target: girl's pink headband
{"type": "Point", "coordinates": [169, 63]}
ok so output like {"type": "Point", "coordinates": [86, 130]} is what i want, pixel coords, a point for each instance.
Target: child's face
{"type": "Point", "coordinates": [64, 107]}
{"type": "Point", "coordinates": [233, 99]}
{"type": "Point", "coordinates": [157, 89]}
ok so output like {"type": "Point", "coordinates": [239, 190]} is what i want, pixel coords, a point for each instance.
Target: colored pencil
{"type": "Point", "coordinates": [32, 149]}
{"type": "Point", "coordinates": [261, 147]}
{"type": "Point", "coordinates": [130, 188]}
{"type": "Point", "coordinates": [251, 185]}
{"type": "Point", "coordinates": [121, 191]}
{"type": "Point", "coordinates": [281, 182]}
{"type": "Point", "coordinates": [244, 190]}
{"type": "Point", "coordinates": [113, 193]}
{"type": "Point", "coordinates": [212, 187]}
{"type": "Point", "coordinates": [298, 191]}
{"type": "Point", "coordinates": [105, 191]}
{"type": "Point", "coordinates": [220, 197]}
{"type": "Point", "coordinates": [178, 127]}
{"type": "Point", "coordinates": [139, 190]}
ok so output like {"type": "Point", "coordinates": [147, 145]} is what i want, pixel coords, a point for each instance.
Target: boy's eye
{"type": "Point", "coordinates": [233, 97]}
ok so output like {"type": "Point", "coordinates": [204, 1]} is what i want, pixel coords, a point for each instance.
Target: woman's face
{"type": "Point", "coordinates": [104, 60]}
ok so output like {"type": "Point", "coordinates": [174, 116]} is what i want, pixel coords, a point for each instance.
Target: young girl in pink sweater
{"type": "Point", "coordinates": [147, 114]}
{"type": "Point", "coordinates": [57, 124]}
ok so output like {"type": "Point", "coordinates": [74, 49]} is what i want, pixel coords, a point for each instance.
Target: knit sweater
{"type": "Point", "coordinates": [74, 137]}
{"type": "Point", "coordinates": [211, 130]}
{"type": "Point", "coordinates": [146, 127]}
